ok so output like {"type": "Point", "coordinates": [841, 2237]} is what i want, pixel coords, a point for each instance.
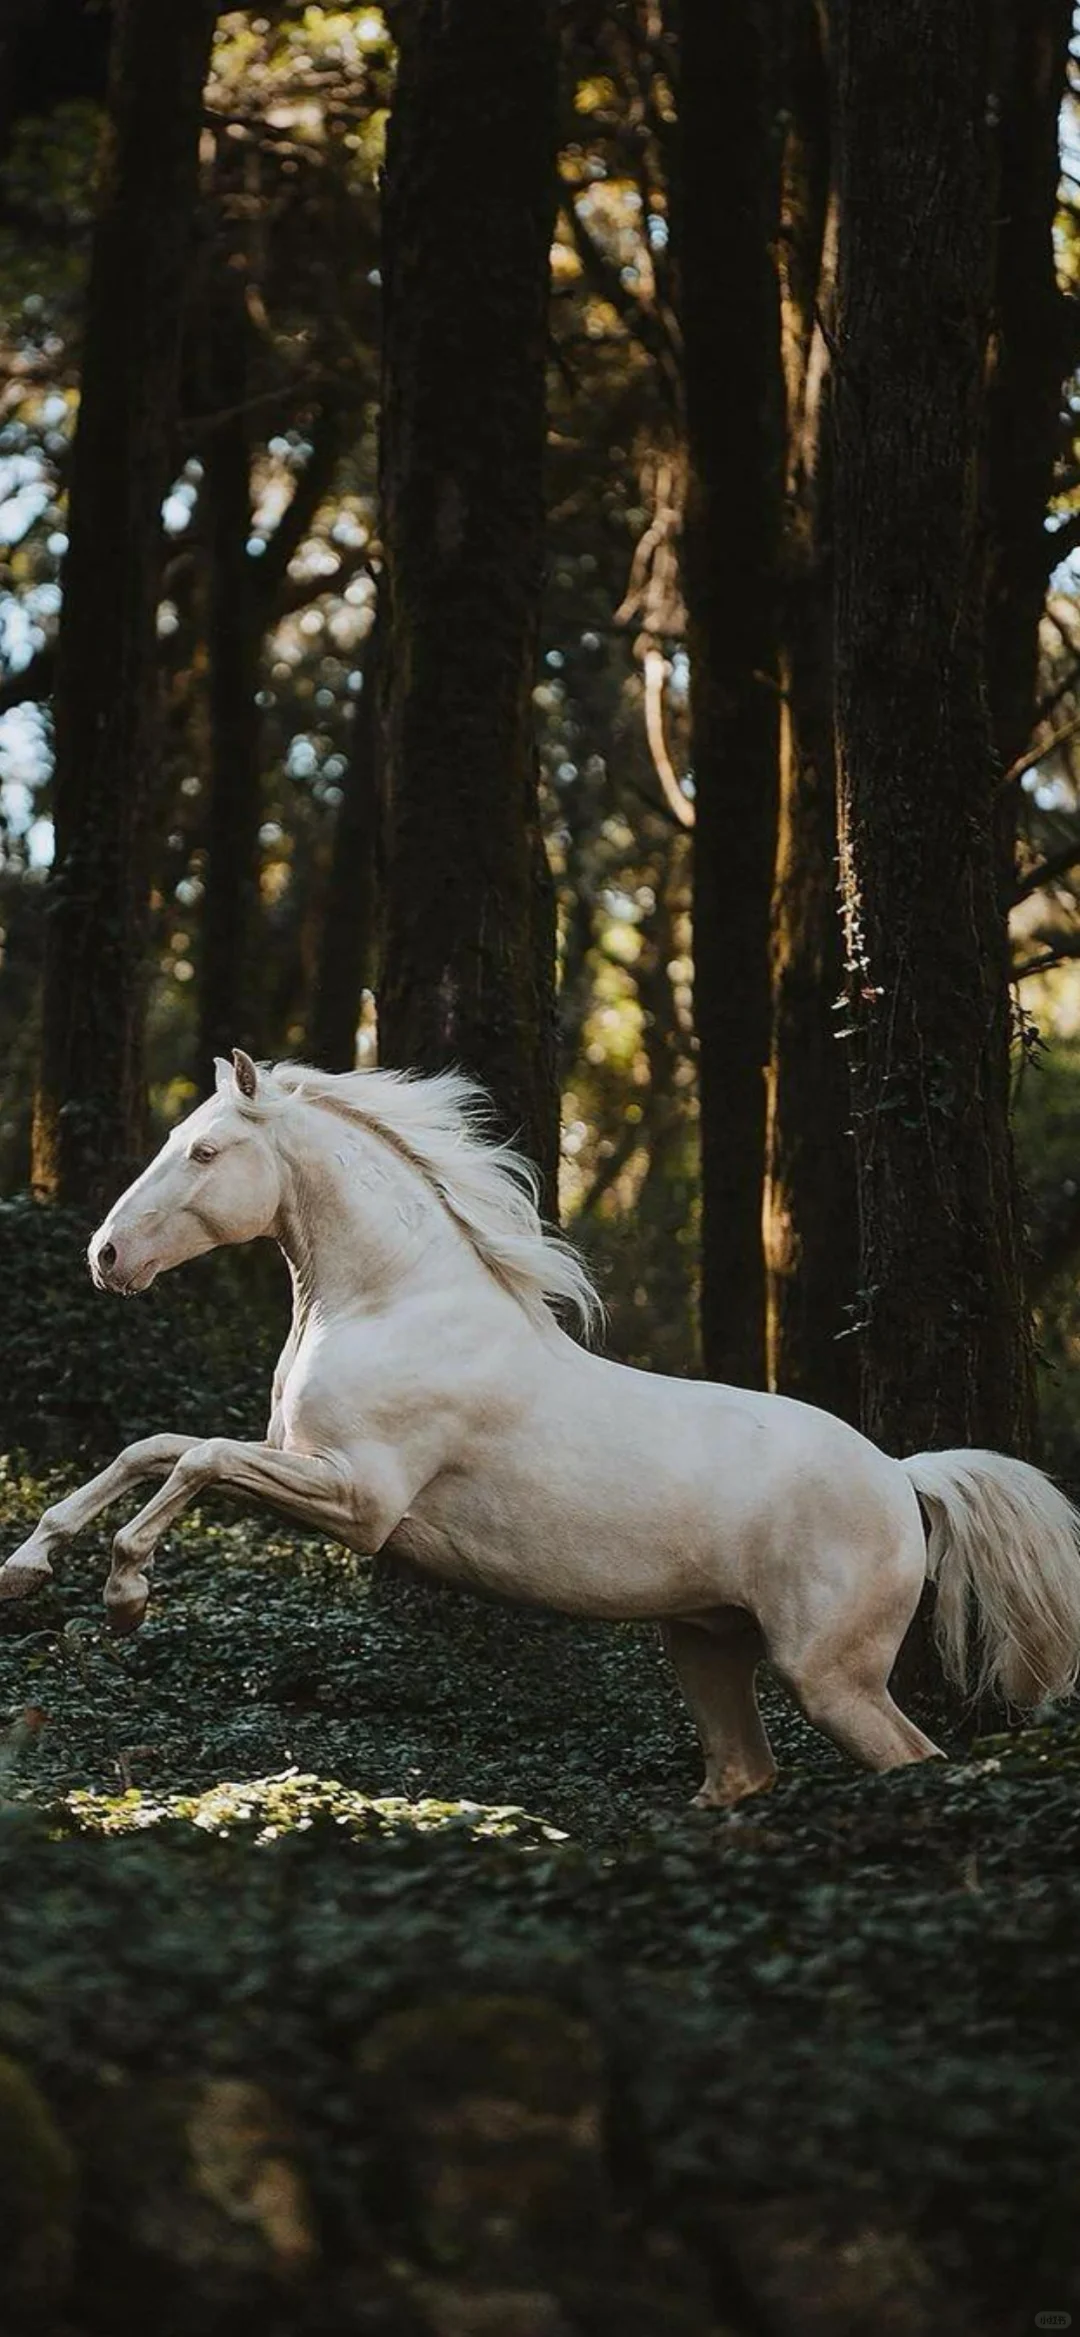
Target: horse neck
{"type": "Point", "coordinates": [354, 1222]}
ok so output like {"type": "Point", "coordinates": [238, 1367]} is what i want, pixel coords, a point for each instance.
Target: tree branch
{"type": "Point", "coordinates": [628, 1141]}
{"type": "Point", "coordinates": [1062, 954]}
{"type": "Point", "coordinates": [300, 591]}
{"type": "Point", "coordinates": [1049, 705]}
{"type": "Point", "coordinates": [646, 326]}
{"type": "Point", "coordinates": [1033, 755]}
{"type": "Point", "coordinates": [1056, 864]}
{"type": "Point", "coordinates": [312, 486]}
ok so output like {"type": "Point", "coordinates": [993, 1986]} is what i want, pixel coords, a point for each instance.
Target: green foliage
{"type": "Point", "coordinates": [84, 1374]}
{"type": "Point", "coordinates": [829, 2035]}
{"type": "Point", "coordinates": [852, 2004]}
{"type": "Point", "coordinates": [47, 180]}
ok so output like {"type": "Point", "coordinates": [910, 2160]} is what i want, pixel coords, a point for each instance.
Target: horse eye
{"type": "Point", "coordinates": [203, 1152]}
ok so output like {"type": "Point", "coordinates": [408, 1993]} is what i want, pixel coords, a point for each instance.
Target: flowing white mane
{"type": "Point", "coordinates": [441, 1124]}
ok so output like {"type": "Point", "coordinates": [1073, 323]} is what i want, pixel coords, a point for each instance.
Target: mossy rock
{"type": "Point", "coordinates": [844, 2274]}
{"type": "Point", "coordinates": [199, 2215]}
{"type": "Point", "coordinates": [37, 2186]}
{"type": "Point", "coordinates": [495, 2105]}
{"type": "Point", "coordinates": [490, 2139]}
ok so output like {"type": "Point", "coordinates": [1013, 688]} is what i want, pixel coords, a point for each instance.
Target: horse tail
{"type": "Point", "coordinates": [1003, 1551]}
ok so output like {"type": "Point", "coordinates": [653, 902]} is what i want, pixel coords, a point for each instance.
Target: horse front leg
{"type": "Point", "coordinates": [29, 1567]}
{"type": "Point", "coordinates": [317, 1492]}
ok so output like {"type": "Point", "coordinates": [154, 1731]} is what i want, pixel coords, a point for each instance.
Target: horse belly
{"type": "Point", "coordinates": [615, 1562]}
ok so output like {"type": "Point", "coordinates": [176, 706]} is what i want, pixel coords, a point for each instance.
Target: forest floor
{"type": "Point", "coordinates": [367, 1926]}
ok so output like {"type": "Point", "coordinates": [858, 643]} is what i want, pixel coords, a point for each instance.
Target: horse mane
{"type": "Point", "coordinates": [441, 1125]}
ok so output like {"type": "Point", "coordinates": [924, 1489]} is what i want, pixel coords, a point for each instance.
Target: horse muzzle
{"type": "Point", "coordinates": [116, 1266]}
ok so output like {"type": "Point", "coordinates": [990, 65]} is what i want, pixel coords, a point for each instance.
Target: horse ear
{"type": "Point", "coordinates": [223, 1073]}
{"type": "Point", "coordinates": [247, 1078]}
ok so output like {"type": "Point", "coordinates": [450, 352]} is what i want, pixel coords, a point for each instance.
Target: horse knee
{"type": "Point", "coordinates": [203, 1463]}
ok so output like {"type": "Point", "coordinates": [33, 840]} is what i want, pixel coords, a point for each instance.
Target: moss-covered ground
{"type": "Point", "coordinates": [361, 1969]}
{"type": "Point", "coordinates": [310, 1795]}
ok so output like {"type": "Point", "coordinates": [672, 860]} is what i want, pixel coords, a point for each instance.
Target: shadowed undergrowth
{"type": "Point", "coordinates": [339, 1892]}
{"type": "Point", "coordinates": [361, 1969]}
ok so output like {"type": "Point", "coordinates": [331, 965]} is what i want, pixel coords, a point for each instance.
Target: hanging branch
{"type": "Point", "coordinates": [656, 672]}
{"type": "Point", "coordinates": [653, 597]}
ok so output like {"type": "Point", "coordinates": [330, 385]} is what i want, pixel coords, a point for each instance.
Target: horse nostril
{"type": "Point", "coordinates": [107, 1254]}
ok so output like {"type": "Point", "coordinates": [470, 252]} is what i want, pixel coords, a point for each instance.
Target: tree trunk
{"type": "Point", "coordinates": [1029, 361]}
{"type": "Point", "coordinates": [89, 1106]}
{"type": "Point", "coordinates": [811, 1237]}
{"type": "Point", "coordinates": [469, 194]}
{"type": "Point", "coordinates": [229, 1009]}
{"type": "Point", "coordinates": [346, 958]}
{"type": "Point", "coordinates": [811, 1244]}
{"type": "Point", "coordinates": [726, 226]}
{"type": "Point", "coordinates": [945, 1342]}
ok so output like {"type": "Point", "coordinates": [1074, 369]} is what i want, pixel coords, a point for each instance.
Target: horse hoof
{"type": "Point", "coordinates": [124, 1614]}
{"type": "Point", "coordinates": [21, 1577]}
{"type": "Point", "coordinates": [727, 1799]}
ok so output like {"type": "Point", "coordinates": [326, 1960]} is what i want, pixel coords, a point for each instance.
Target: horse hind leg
{"type": "Point", "coordinates": [841, 1681]}
{"type": "Point", "coordinates": [715, 1667]}
{"type": "Point", "coordinates": [861, 1717]}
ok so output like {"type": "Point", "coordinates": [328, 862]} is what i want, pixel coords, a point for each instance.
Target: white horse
{"type": "Point", "coordinates": [427, 1402]}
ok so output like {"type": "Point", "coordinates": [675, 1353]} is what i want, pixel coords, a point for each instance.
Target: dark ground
{"type": "Point", "coordinates": [361, 1969]}
{"type": "Point", "coordinates": [815, 2068]}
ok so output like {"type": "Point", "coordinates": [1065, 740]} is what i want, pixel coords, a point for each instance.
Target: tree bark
{"type": "Point", "coordinates": [945, 1341]}
{"type": "Point", "coordinates": [811, 1244]}
{"type": "Point", "coordinates": [468, 209]}
{"type": "Point", "coordinates": [810, 1188]}
{"type": "Point", "coordinates": [346, 957]}
{"type": "Point", "coordinates": [726, 227]}
{"type": "Point", "coordinates": [1029, 360]}
{"type": "Point", "coordinates": [89, 1106]}
{"type": "Point", "coordinates": [229, 1009]}
{"type": "Point", "coordinates": [811, 1237]}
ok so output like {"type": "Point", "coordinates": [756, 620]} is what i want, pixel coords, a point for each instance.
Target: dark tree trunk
{"type": "Point", "coordinates": [1029, 360]}
{"type": "Point", "coordinates": [811, 1232]}
{"type": "Point", "coordinates": [346, 958]}
{"type": "Point", "coordinates": [469, 195]}
{"type": "Point", "coordinates": [811, 1243]}
{"type": "Point", "coordinates": [229, 1007]}
{"type": "Point", "coordinates": [726, 227]}
{"type": "Point", "coordinates": [89, 1106]}
{"type": "Point", "coordinates": [945, 1343]}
